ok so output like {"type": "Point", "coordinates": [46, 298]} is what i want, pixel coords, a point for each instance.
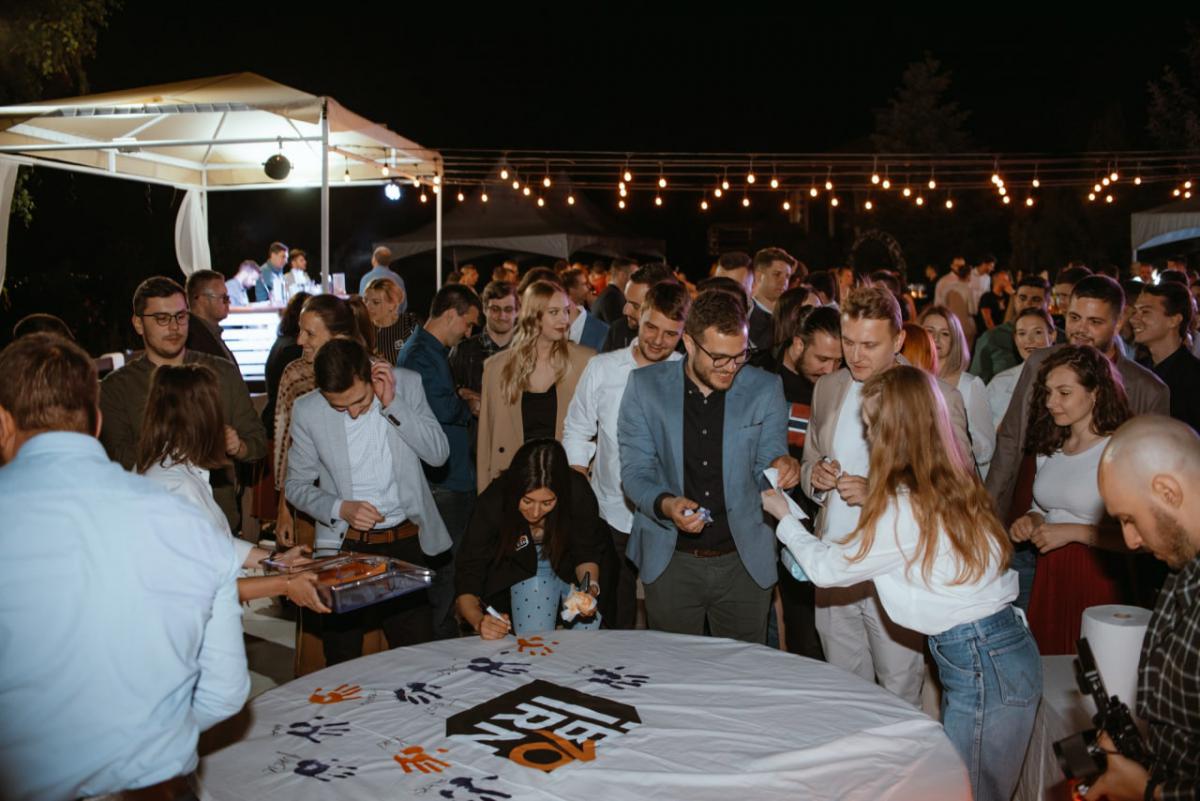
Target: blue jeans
{"type": "Point", "coordinates": [991, 676]}
{"type": "Point", "coordinates": [537, 600]}
{"type": "Point", "coordinates": [1024, 561]}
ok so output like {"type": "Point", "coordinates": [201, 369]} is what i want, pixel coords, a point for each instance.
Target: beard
{"type": "Point", "coordinates": [1177, 550]}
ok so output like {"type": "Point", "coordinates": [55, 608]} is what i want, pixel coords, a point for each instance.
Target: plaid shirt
{"type": "Point", "coordinates": [1169, 686]}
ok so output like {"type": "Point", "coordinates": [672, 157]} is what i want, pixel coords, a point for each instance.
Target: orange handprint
{"type": "Point", "coordinates": [343, 692]}
{"type": "Point", "coordinates": [415, 758]}
{"type": "Point", "coordinates": [535, 646]}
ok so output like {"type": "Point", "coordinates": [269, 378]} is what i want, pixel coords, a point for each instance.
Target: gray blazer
{"type": "Point", "coordinates": [650, 434]}
{"type": "Point", "coordinates": [823, 421]}
{"type": "Point", "coordinates": [318, 474]}
{"type": "Point", "coordinates": [1145, 391]}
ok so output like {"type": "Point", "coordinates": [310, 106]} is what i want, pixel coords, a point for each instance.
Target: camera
{"type": "Point", "coordinates": [1080, 755]}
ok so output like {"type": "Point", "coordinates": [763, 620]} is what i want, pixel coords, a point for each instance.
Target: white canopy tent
{"type": "Point", "coordinates": [1174, 222]}
{"type": "Point", "coordinates": [210, 134]}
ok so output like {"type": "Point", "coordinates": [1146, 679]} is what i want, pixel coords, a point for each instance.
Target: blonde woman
{"type": "Point", "coordinates": [929, 539]}
{"type": "Point", "coordinates": [954, 355]}
{"type": "Point", "coordinates": [383, 298]}
{"type": "Point", "coordinates": [527, 388]}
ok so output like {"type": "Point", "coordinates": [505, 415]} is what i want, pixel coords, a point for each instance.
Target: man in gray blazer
{"type": "Point", "coordinates": [694, 440]}
{"type": "Point", "coordinates": [1093, 318]}
{"type": "Point", "coordinates": [856, 634]}
{"type": "Point", "coordinates": [355, 466]}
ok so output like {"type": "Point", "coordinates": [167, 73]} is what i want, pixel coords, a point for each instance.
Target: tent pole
{"type": "Point", "coordinates": [325, 284]}
{"type": "Point", "coordinates": [441, 190]}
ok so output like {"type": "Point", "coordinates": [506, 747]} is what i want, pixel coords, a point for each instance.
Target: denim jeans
{"type": "Point", "coordinates": [1024, 561]}
{"type": "Point", "coordinates": [991, 676]}
{"type": "Point", "coordinates": [537, 600]}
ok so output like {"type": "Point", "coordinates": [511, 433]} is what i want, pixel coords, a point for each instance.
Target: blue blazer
{"type": "Point", "coordinates": [594, 332]}
{"type": "Point", "coordinates": [650, 433]}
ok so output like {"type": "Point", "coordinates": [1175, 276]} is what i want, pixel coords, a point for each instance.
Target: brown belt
{"type": "Point", "coordinates": [382, 536]}
{"type": "Point", "coordinates": [703, 553]}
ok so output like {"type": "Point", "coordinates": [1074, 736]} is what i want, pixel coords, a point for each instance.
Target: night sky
{"type": "Point", "coordinates": [742, 84]}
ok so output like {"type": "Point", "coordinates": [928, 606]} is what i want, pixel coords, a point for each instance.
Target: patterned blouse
{"type": "Point", "coordinates": [298, 379]}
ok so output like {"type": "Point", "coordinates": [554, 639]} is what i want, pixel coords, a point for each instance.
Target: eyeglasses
{"type": "Point", "coordinates": [163, 319]}
{"type": "Point", "coordinates": [223, 298]}
{"type": "Point", "coordinates": [720, 360]}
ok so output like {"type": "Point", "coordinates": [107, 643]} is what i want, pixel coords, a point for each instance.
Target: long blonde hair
{"type": "Point", "coordinates": [514, 378]}
{"type": "Point", "coordinates": [913, 448]}
{"type": "Point", "coordinates": [959, 357]}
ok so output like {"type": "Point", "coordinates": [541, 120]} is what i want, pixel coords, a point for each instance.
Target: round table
{"type": "Point", "coordinates": [584, 715]}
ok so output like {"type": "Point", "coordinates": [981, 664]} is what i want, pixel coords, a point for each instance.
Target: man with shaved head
{"type": "Point", "coordinates": [1150, 480]}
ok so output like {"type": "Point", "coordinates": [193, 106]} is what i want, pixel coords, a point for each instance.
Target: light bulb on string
{"type": "Point", "coordinates": [620, 204]}
{"type": "Point", "coordinates": [1187, 184]}
{"type": "Point", "coordinates": [751, 177]}
{"type": "Point", "coordinates": [1105, 181]}
{"type": "Point", "coordinates": [437, 180]}
{"type": "Point", "coordinates": [1114, 176]}
{"type": "Point", "coordinates": [1176, 193]}
{"type": "Point", "coordinates": [745, 202]}
{"type": "Point", "coordinates": [546, 182]}
{"type": "Point", "coordinates": [1096, 188]}
{"type": "Point", "coordinates": [628, 176]}
{"type": "Point", "coordinates": [875, 178]}
{"type": "Point", "coordinates": [703, 205]}
{"type": "Point", "coordinates": [525, 190]}
{"type": "Point", "coordinates": [906, 192]}
{"type": "Point", "coordinates": [869, 205]}
{"type": "Point", "coordinates": [949, 203]}
{"type": "Point", "coordinates": [996, 178]}
{"type": "Point", "coordinates": [828, 185]}
{"type": "Point", "coordinates": [1029, 201]}
{"type": "Point", "coordinates": [1036, 183]}
{"type": "Point", "coordinates": [1003, 192]}
{"type": "Point", "coordinates": [658, 200]}
{"type": "Point", "coordinates": [787, 206]}
{"type": "Point", "coordinates": [622, 191]}
{"type": "Point", "coordinates": [812, 192]}
{"type": "Point", "coordinates": [725, 185]}
{"type": "Point", "coordinates": [621, 185]}
{"type": "Point", "coordinates": [932, 183]}
{"type": "Point", "coordinates": [717, 192]}
{"type": "Point", "coordinates": [1091, 195]}
{"type": "Point", "coordinates": [437, 190]}
{"type": "Point", "coordinates": [461, 197]}
{"type": "Point", "coordinates": [504, 173]}
{"type": "Point", "coordinates": [570, 200]}
{"type": "Point", "coordinates": [384, 171]}
{"type": "Point", "coordinates": [886, 183]}
{"type": "Point", "coordinates": [424, 199]}
{"type": "Point", "coordinates": [1137, 180]}
{"type": "Point", "coordinates": [774, 183]}
{"type": "Point", "coordinates": [541, 201]}
{"type": "Point", "coordinates": [662, 182]}
{"type": "Point", "coordinates": [346, 175]}
{"type": "Point", "coordinates": [920, 201]}
{"type": "Point", "coordinates": [1007, 199]}
{"type": "Point", "coordinates": [833, 201]}
{"type": "Point", "coordinates": [1187, 195]}
{"type": "Point", "coordinates": [416, 182]}
{"type": "Point", "coordinates": [516, 184]}
{"type": "Point", "coordinates": [483, 198]}
{"type": "Point", "coordinates": [1108, 198]}
{"type": "Point", "coordinates": [392, 191]}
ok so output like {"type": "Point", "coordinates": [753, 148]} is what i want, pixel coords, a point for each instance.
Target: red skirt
{"type": "Point", "coordinates": [1068, 581]}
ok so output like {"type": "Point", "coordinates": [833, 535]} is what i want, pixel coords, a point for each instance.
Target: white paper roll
{"type": "Point", "coordinates": [1115, 634]}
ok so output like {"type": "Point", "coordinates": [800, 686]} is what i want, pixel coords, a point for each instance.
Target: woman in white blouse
{"type": "Point", "coordinates": [182, 439]}
{"type": "Point", "coordinates": [953, 357]}
{"type": "Point", "coordinates": [1033, 329]}
{"type": "Point", "coordinates": [929, 539]}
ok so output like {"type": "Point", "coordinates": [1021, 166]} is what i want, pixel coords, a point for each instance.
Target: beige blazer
{"type": "Point", "coordinates": [827, 408]}
{"type": "Point", "coordinates": [501, 429]}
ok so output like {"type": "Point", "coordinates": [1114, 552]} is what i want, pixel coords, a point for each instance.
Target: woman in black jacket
{"type": "Point", "coordinates": [535, 533]}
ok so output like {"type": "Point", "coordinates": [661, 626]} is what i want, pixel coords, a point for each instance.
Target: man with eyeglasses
{"type": "Point", "coordinates": [500, 307]}
{"type": "Point", "coordinates": [694, 440]}
{"type": "Point", "coordinates": [160, 317]}
{"type": "Point", "coordinates": [208, 302]}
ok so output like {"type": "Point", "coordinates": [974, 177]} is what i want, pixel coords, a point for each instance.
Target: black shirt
{"type": "Point", "coordinates": [997, 306]}
{"type": "Point", "coordinates": [467, 358]}
{"type": "Point", "coordinates": [619, 335]}
{"type": "Point", "coordinates": [539, 413]}
{"type": "Point", "coordinates": [761, 328]}
{"type": "Point", "coordinates": [703, 473]}
{"type": "Point", "coordinates": [609, 305]}
{"type": "Point", "coordinates": [1181, 373]}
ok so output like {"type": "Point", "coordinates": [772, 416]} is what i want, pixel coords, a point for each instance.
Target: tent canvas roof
{"type": "Point", "coordinates": [1163, 225]}
{"type": "Point", "coordinates": [212, 133]}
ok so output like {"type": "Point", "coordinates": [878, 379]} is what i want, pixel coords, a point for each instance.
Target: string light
{"type": "Point", "coordinates": [504, 173]}
{"type": "Point", "coordinates": [717, 192]}
{"type": "Point", "coordinates": [1091, 195]}
{"type": "Point", "coordinates": [1003, 192]}
{"type": "Point", "coordinates": [1176, 193]}
{"type": "Point", "coordinates": [416, 182]}
{"type": "Point", "coordinates": [525, 191]}
{"type": "Point", "coordinates": [1187, 184]}
{"type": "Point", "coordinates": [621, 185]}
{"type": "Point", "coordinates": [949, 203]}
{"type": "Point", "coordinates": [546, 182]}
{"type": "Point", "coordinates": [725, 184]}
{"type": "Point", "coordinates": [1108, 198]}
{"type": "Point", "coordinates": [541, 202]}
{"type": "Point", "coordinates": [437, 180]}
{"type": "Point", "coordinates": [812, 192]}
{"type": "Point", "coordinates": [1007, 200]}
{"type": "Point", "coordinates": [745, 202]}
{"type": "Point", "coordinates": [628, 176]}
{"type": "Point", "coordinates": [920, 201]}
{"type": "Point", "coordinates": [787, 206]}
{"type": "Point", "coordinates": [833, 201]}
{"type": "Point", "coordinates": [828, 185]}
{"type": "Point", "coordinates": [703, 205]}
{"type": "Point", "coordinates": [750, 176]}
{"type": "Point", "coordinates": [1105, 181]}
{"type": "Point", "coordinates": [392, 191]}
{"type": "Point", "coordinates": [906, 192]}
{"type": "Point", "coordinates": [996, 179]}
{"type": "Point", "coordinates": [620, 204]}
{"type": "Point", "coordinates": [774, 183]}
{"type": "Point", "coordinates": [662, 182]}
{"type": "Point", "coordinates": [932, 183]}
{"type": "Point", "coordinates": [623, 192]}
{"type": "Point", "coordinates": [1096, 188]}
{"type": "Point", "coordinates": [658, 200]}
{"type": "Point", "coordinates": [437, 190]}
{"type": "Point", "coordinates": [869, 205]}
{"type": "Point", "coordinates": [1114, 176]}
{"type": "Point", "coordinates": [886, 184]}
{"type": "Point", "coordinates": [384, 171]}
{"type": "Point", "coordinates": [1029, 201]}
{"type": "Point", "coordinates": [875, 178]}
{"type": "Point", "coordinates": [1036, 183]}
{"type": "Point", "coordinates": [424, 199]}
{"type": "Point", "coordinates": [483, 198]}
{"type": "Point", "coordinates": [516, 184]}
{"type": "Point", "coordinates": [570, 200]}
{"type": "Point", "coordinates": [1137, 180]}
{"type": "Point", "coordinates": [346, 175]}
{"type": "Point", "coordinates": [461, 197]}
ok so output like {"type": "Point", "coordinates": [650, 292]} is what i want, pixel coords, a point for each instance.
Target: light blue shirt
{"type": "Point", "coordinates": [120, 628]}
{"type": "Point", "coordinates": [385, 272]}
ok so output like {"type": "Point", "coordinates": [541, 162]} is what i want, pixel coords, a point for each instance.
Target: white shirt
{"type": "Point", "coordinates": [593, 413]}
{"type": "Point", "coordinates": [929, 608]}
{"type": "Point", "coordinates": [1000, 391]}
{"type": "Point", "coordinates": [372, 475]}
{"type": "Point", "coordinates": [979, 420]}
{"type": "Point", "coordinates": [190, 482]}
{"type": "Point", "coordinates": [1065, 490]}
{"type": "Point", "coordinates": [854, 455]}
{"type": "Point", "coordinates": [980, 285]}
{"type": "Point", "coordinates": [576, 329]}
{"type": "Point", "coordinates": [951, 284]}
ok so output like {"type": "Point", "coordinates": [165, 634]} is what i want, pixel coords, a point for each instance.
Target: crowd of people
{"type": "Point", "coordinates": [962, 480]}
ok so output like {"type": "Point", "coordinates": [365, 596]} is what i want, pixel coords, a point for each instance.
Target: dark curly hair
{"type": "Point", "coordinates": [1096, 374]}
